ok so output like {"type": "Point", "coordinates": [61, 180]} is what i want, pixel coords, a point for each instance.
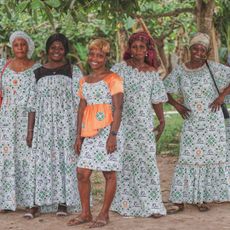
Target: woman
{"type": "Point", "coordinates": [200, 175]}
{"type": "Point", "coordinates": [98, 142]}
{"type": "Point", "coordinates": [138, 184]}
{"type": "Point", "coordinates": [16, 160]}
{"type": "Point", "coordinates": [51, 129]}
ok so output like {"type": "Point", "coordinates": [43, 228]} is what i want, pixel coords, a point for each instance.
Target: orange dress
{"type": "Point", "coordinates": [98, 112]}
{"type": "Point", "coordinates": [97, 118]}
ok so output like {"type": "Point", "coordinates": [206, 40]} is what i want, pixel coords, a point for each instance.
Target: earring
{"type": "Point", "coordinates": [131, 55]}
{"type": "Point", "coordinates": [146, 54]}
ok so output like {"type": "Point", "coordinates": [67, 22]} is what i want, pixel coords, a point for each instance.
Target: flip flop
{"type": "Point", "coordinates": [203, 207]}
{"type": "Point", "coordinates": [30, 216]}
{"type": "Point", "coordinates": [175, 209]}
{"type": "Point", "coordinates": [99, 223]}
{"type": "Point", "coordinates": [156, 215]}
{"type": "Point", "coordinates": [78, 220]}
{"type": "Point", "coordinates": [61, 213]}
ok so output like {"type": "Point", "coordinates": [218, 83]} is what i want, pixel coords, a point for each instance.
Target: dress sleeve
{"type": "Point", "coordinates": [172, 82]}
{"type": "Point", "coordinates": [115, 83]}
{"type": "Point", "coordinates": [76, 76]}
{"type": "Point", "coordinates": [158, 93]}
{"type": "Point", "coordinates": [221, 74]}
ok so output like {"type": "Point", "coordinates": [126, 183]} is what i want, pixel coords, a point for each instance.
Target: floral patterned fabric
{"type": "Point", "coordinates": [93, 153]}
{"type": "Point", "coordinates": [138, 184]}
{"type": "Point", "coordinates": [55, 101]}
{"type": "Point", "coordinates": [226, 71]}
{"type": "Point", "coordinates": [200, 175]}
{"type": "Point", "coordinates": [16, 159]}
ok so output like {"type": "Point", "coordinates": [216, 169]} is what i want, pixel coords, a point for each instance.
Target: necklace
{"type": "Point", "coordinates": [137, 65]}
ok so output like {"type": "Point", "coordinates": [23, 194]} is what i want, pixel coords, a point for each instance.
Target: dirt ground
{"type": "Point", "coordinates": [218, 218]}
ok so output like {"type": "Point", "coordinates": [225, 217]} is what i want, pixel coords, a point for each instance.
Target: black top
{"type": "Point", "coordinates": [65, 70]}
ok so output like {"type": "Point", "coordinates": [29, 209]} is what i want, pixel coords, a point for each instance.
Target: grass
{"type": "Point", "coordinates": [169, 141]}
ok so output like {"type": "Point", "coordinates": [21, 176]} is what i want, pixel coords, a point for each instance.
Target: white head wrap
{"type": "Point", "coordinates": [200, 38]}
{"type": "Point", "coordinates": [27, 38]}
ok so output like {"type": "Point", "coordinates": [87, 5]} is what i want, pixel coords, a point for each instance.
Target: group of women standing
{"type": "Point", "coordinates": [57, 126]}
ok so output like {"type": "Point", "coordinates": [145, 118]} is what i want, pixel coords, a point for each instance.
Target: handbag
{"type": "Point", "coordinates": [223, 106]}
{"type": "Point", "coordinates": [1, 74]}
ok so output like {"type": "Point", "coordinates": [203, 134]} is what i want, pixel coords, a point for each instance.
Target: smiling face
{"type": "Point", "coordinates": [56, 52]}
{"type": "Point", "coordinates": [198, 52]}
{"type": "Point", "coordinates": [97, 59]}
{"type": "Point", "coordinates": [20, 48]}
{"type": "Point", "coordinates": [138, 50]}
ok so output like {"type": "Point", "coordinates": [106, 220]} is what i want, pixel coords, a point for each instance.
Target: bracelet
{"type": "Point", "coordinates": [113, 133]}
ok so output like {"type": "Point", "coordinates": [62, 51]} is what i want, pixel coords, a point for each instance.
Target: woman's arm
{"type": "Point", "coordinates": [216, 104]}
{"type": "Point", "coordinates": [158, 108]}
{"type": "Point", "coordinates": [30, 128]}
{"type": "Point", "coordinates": [80, 113]}
{"type": "Point", "coordinates": [117, 102]}
{"type": "Point", "coordinates": [184, 112]}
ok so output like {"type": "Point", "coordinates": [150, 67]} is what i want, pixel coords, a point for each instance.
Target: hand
{"type": "Point", "coordinates": [111, 144]}
{"type": "Point", "coordinates": [183, 111]}
{"type": "Point", "coordinates": [77, 145]}
{"type": "Point", "coordinates": [29, 138]}
{"type": "Point", "coordinates": [159, 130]}
{"type": "Point", "coordinates": [216, 104]}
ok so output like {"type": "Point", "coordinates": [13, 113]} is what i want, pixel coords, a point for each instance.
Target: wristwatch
{"type": "Point", "coordinates": [113, 133]}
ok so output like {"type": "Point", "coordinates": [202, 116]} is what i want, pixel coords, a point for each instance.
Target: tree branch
{"type": "Point", "coordinates": [173, 13]}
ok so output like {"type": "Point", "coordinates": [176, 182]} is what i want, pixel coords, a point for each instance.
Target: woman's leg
{"type": "Point", "coordinates": [83, 176]}
{"type": "Point", "coordinates": [110, 189]}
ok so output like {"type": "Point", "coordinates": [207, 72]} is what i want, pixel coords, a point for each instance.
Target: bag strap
{"type": "Point", "coordinates": [212, 76]}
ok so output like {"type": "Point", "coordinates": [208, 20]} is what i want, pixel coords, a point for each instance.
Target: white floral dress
{"type": "Point", "coordinates": [16, 159]}
{"type": "Point", "coordinates": [138, 184]}
{"type": "Point", "coordinates": [200, 175]}
{"type": "Point", "coordinates": [98, 96]}
{"type": "Point", "coordinates": [225, 70]}
{"type": "Point", "coordinates": [55, 101]}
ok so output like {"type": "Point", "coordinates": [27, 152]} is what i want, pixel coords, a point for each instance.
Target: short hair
{"type": "Point", "coordinates": [100, 43]}
{"type": "Point", "coordinates": [58, 37]}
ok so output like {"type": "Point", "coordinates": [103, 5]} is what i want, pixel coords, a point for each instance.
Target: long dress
{"type": "Point", "coordinates": [96, 124]}
{"type": "Point", "coordinates": [200, 174]}
{"type": "Point", "coordinates": [225, 70]}
{"type": "Point", "coordinates": [55, 102]}
{"type": "Point", "coordinates": [138, 184]}
{"type": "Point", "coordinates": [16, 159]}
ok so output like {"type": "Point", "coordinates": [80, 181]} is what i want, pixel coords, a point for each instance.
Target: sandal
{"type": "Point", "coordinates": [6, 211]}
{"type": "Point", "coordinates": [78, 220]}
{"type": "Point", "coordinates": [175, 209]}
{"type": "Point", "coordinates": [32, 213]}
{"type": "Point", "coordinates": [99, 223]}
{"type": "Point", "coordinates": [62, 210]}
{"type": "Point", "coordinates": [203, 207]}
{"type": "Point", "coordinates": [156, 215]}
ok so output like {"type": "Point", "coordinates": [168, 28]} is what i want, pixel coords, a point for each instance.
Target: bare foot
{"type": "Point", "coordinates": [100, 221]}
{"type": "Point", "coordinates": [79, 220]}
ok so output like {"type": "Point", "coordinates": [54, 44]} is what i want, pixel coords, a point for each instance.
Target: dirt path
{"type": "Point", "coordinates": [218, 218]}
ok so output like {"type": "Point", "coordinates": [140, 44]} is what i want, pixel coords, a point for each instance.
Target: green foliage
{"type": "Point", "coordinates": [84, 19]}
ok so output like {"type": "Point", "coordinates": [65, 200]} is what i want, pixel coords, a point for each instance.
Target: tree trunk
{"type": "Point", "coordinates": [204, 19]}
{"type": "Point", "coordinates": [122, 41]}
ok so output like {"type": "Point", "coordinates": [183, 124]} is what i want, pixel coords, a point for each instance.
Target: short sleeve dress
{"type": "Point", "coordinates": [200, 175]}
{"type": "Point", "coordinates": [55, 101]}
{"type": "Point", "coordinates": [96, 124]}
{"type": "Point", "coordinates": [138, 184]}
{"type": "Point", "coordinates": [16, 159]}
